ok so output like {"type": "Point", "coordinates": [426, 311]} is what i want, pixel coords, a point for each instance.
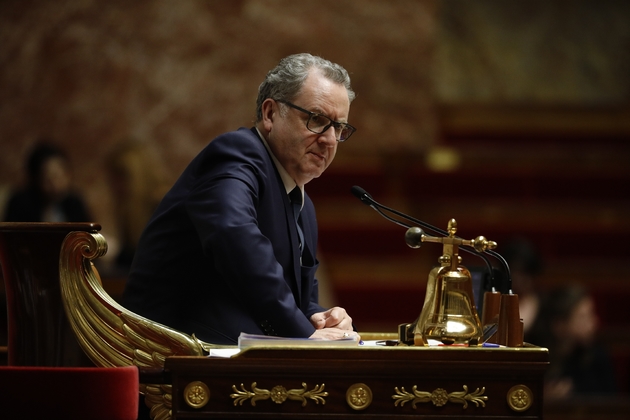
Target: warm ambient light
{"type": "Point", "coordinates": [443, 159]}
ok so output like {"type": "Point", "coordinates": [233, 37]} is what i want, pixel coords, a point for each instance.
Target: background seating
{"type": "Point", "coordinates": [38, 331]}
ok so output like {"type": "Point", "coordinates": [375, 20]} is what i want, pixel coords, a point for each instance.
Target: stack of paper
{"type": "Point", "coordinates": [251, 340]}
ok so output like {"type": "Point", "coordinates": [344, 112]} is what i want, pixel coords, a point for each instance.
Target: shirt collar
{"type": "Point", "coordinates": [288, 182]}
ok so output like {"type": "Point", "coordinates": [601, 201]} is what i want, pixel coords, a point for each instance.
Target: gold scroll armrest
{"type": "Point", "coordinates": [108, 333]}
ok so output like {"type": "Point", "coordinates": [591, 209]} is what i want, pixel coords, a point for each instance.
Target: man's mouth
{"type": "Point", "coordinates": [319, 155]}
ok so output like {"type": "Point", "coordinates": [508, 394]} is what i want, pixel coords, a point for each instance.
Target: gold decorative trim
{"type": "Point", "coordinates": [440, 397]}
{"type": "Point", "coordinates": [196, 394]}
{"type": "Point", "coordinates": [520, 398]}
{"type": "Point", "coordinates": [109, 334]}
{"type": "Point", "coordinates": [279, 394]}
{"type": "Point", "coordinates": [159, 398]}
{"type": "Point", "coordinates": [359, 396]}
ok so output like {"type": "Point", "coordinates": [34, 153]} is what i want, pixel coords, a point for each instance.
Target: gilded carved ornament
{"type": "Point", "coordinates": [440, 397]}
{"type": "Point", "coordinates": [520, 398]}
{"type": "Point", "coordinates": [279, 394]}
{"type": "Point", "coordinates": [359, 396]}
{"type": "Point", "coordinates": [196, 394]}
{"type": "Point", "coordinates": [108, 333]}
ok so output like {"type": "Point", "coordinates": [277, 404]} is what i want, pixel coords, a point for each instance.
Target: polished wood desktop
{"type": "Point", "coordinates": [364, 382]}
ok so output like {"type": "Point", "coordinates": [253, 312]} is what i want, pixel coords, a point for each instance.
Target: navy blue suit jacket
{"type": "Point", "coordinates": [220, 255]}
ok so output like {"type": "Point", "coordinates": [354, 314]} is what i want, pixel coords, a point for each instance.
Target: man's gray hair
{"type": "Point", "coordinates": [286, 79]}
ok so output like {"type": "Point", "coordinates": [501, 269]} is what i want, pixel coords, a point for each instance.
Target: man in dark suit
{"type": "Point", "coordinates": [223, 253]}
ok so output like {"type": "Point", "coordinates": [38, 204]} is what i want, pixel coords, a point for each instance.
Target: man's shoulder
{"type": "Point", "coordinates": [231, 153]}
{"type": "Point", "coordinates": [242, 144]}
{"type": "Point", "coordinates": [242, 137]}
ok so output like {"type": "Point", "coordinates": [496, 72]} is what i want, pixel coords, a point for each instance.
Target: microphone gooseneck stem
{"type": "Point", "coordinates": [391, 219]}
{"type": "Point", "coordinates": [505, 266]}
{"type": "Point", "coordinates": [366, 198]}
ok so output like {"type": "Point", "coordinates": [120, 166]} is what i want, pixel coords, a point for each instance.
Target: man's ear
{"type": "Point", "coordinates": [268, 113]}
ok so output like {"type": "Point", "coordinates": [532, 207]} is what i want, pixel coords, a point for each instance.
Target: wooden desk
{"type": "Point", "coordinates": [369, 383]}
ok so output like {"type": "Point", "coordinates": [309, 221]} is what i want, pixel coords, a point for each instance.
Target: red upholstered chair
{"type": "Point", "coordinates": [81, 393]}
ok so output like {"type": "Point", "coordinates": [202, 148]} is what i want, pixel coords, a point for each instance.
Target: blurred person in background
{"type": "Point", "coordinates": [138, 183]}
{"type": "Point", "coordinates": [48, 195]}
{"type": "Point", "coordinates": [526, 266]}
{"type": "Point", "coordinates": [579, 364]}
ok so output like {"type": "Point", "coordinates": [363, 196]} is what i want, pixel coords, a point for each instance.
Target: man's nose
{"type": "Point", "coordinates": [328, 137]}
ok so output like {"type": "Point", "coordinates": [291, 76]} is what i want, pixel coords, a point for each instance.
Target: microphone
{"type": "Point", "coordinates": [367, 199]}
{"type": "Point", "coordinates": [362, 195]}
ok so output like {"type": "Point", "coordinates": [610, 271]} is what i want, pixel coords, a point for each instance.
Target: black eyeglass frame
{"type": "Point", "coordinates": [332, 123]}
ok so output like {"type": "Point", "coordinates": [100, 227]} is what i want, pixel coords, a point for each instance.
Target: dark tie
{"type": "Point", "coordinates": [296, 201]}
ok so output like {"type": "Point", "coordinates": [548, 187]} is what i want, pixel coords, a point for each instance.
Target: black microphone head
{"type": "Point", "coordinates": [361, 194]}
{"type": "Point", "coordinates": [413, 237]}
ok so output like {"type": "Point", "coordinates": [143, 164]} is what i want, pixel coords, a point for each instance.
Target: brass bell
{"type": "Point", "coordinates": [448, 314]}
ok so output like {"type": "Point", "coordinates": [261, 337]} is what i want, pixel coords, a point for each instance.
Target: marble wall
{"type": "Point", "coordinates": [91, 74]}
{"type": "Point", "coordinates": [570, 52]}
{"type": "Point", "coordinates": [173, 75]}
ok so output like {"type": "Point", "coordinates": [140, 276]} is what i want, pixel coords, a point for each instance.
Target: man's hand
{"type": "Point", "coordinates": [333, 318]}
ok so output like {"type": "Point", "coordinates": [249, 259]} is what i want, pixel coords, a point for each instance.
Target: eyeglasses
{"type": "Point", "coordinates": [318, 123]}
